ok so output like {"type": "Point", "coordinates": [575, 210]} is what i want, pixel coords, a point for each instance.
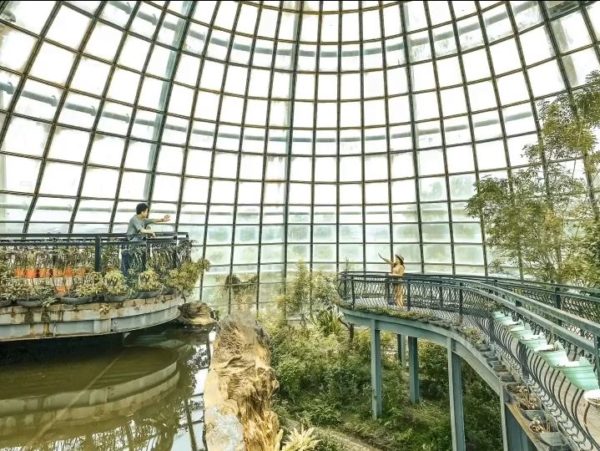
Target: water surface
{"type": "Point", "coordinates": [103, 394]}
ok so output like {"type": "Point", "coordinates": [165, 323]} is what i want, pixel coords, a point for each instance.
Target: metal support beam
{"type": "Point", "coordinates": [457, 417]}
{"type": "Point", "coordinates": [513, 436]}
{"type": "Point", "coordinates": [413, 370]}
{"type": "Point", "coordinates": [401, 349]}
{"type": "Point", "coordinates": [376, 381]}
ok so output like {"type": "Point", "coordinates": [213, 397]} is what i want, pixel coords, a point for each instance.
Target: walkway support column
{"type": "Point", "coordinates": [376, 381]}
{"type": "Point", "coordinates": [457, 417]}
{"type": "Point", "coordinates": [513, 436]}
{"type": "Point", "coordinates": [413, 370]}
{"type": "Point", "coordinates": [401, 349]}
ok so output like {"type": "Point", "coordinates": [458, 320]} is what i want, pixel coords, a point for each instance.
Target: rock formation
{"type": "Point", "coordinates": [238, 390]}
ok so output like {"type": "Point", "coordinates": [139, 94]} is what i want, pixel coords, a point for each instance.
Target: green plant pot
{"type": "Point", "coordinates": [148, 294]}
{"type": "Point", "coordinates": [29, 303]}
{"type": "Point", "coordinates": [76, 301]}
{"type": "Point", "coordinates": [115, 297]}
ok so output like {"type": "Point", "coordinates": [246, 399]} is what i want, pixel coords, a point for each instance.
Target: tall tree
{"type": "Point", "coordinates": [547, 215]}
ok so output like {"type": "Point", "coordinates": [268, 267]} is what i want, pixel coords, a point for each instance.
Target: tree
{"type": "Point", "coordinates": [546, 217]}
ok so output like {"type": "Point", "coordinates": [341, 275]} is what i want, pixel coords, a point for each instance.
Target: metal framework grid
{"type": "Point", "coordinates": [292, 42]}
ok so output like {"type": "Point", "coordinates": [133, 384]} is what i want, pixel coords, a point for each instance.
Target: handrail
{"type": "Point", "coordinates": [69, 236]}
{"type": "Point", "coordinates": [561, 297]}
{"type": "Point", "coordinates": [554, 350]}
{"type": "Point", "coordinates": [494, 280]}
{"type": "Point", "coordinates": [112, 249]}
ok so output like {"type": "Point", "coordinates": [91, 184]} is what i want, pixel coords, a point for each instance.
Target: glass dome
{"type": "Point", "coordinates": [275, 132]}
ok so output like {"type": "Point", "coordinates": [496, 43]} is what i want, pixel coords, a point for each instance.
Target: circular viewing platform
{"type": "Point", "coordinates": [100, 318]}
{"type": "Point", "coordinates": [76, 285]}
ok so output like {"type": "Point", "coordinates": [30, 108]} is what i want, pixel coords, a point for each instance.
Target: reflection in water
{"type": "Point", "coordinates": [144, 395]}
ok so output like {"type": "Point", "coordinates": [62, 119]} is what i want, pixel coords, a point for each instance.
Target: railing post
{"type": "Point", "coordinates": [597, 348]}
{"type": "Point", "coordinates": [408, 295]}
{"type": "Point", "coordinates": [144, 263]}
{"type": "Point", "coordinates": [352, 292]}
{"type": "Point", "coordinates": [460, 300]}
{"type": "Point", "coordinates": [376, 379]}
{"type": "Point", "coordinates": [413, 370]}
{"type": "Point", "coordinates": [557, 302]}
{"type": "Point", "coordinates": [97, 254]}
{"type": "Point", "coordinates": [345, 276]}
{"type": "Point", "coordinates": [387, 281]}
{"type": "Point", "coordinates": [441, 296]}
{"type": "Point", "coordinates": [457, 418]}
{"type": "Point", "coordinates": [401, 342]}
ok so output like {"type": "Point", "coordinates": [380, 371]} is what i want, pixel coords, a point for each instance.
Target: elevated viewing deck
{"type": "Point", "coordinates": [55, 286]}
{"type": "Point", "coordinates": [536, 345]}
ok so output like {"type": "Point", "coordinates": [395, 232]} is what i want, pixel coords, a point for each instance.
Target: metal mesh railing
{"type": "Point", "coordinates": [551, 348]}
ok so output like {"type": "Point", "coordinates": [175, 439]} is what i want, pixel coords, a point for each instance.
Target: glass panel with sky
{"type": "Point", "coordinates": [279, 131]}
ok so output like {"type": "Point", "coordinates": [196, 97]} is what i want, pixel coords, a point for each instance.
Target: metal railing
{"type": "Point", "coordinates": [552, 348]}
{"type": "Point", "coordinates": [97, 251]}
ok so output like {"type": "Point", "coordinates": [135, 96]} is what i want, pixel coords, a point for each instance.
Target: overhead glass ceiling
{"type": "Point", "coordinates": [278, 131]}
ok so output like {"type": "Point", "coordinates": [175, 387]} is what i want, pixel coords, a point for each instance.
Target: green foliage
{"type": "Point", "coordinates": [328, 443]}
{"type": "Point", "coordinates": [312, 295]}
{"type": "Point", "coordinates": [546, 217]}
{"type": "Point", "coordinates": [185, 278]}
{"type": "Point", "coordinates": [5, 274]}
{"type": "Point", "coordinates": [92, 284]}
{"type": "Point", "coordinates": [18, 289]}
{"type": "Point", "coordinates": [324, 289]}
{"type": "Point", "coordinates": [481, 406]}
{"type": "Point", "coordinates": [328, 321]}
{"type": "Point", "coordinates": [148, 281]}
{"type": "Point", "coordinates": [242, 292]}
{"type": "Point", "coordinates": [324, 382]}
{"type": "Point", "coordinates": [44, 290]}
{"type": "Point", "coordinates": [114, 283]}
{"type": "Point", "coordinates": [303, 440]}
{"type": "Point", "coordinates": [110, 257]}
{"type": "Point", "coordinates": [297, 300]}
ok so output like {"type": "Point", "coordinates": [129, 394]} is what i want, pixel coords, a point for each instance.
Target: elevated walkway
{"type": "Point", "coordinates": [541, 359]}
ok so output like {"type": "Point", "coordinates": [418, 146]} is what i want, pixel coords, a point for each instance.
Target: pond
{"type": "Point", "coordinates": [141, 393]}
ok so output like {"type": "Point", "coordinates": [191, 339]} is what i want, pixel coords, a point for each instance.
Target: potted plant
{"type": "Point", "coordinates": [148, 284]}
{"type": "Point", "coordinates": [85, 289]}
{"type": "Point", "coordinates": [184, 279]}
{"type": "Point", "coordinates": [43, 295]}
{"type": "Point", "coordinates": [19, 290]}
{"type": "Point", "coordinates": [109, 257]}
{"type": "Point", "coordinates": [115, 286]}
{"type": "Point", "coordinates": [30, 264]}
{"type": "Point", "coordinates": [4, 279]}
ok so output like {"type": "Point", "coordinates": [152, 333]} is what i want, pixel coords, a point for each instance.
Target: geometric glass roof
{"type": "Point", "coordinates": [278, 131]}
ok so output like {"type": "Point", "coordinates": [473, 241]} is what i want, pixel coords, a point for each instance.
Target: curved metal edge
{"type": "Point", "coordinates": [88, 320]}
{"type": "Point", "coordinates": [438, 335]}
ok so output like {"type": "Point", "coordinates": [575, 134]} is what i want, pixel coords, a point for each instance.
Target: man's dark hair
{"type": "Point", "coordinates": [141, 208]}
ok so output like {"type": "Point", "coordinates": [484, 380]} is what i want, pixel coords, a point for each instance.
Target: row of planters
{"type": "Point", "coordinates": [39, 263]}
{"type": "Point", "coordinates": [111, 286]}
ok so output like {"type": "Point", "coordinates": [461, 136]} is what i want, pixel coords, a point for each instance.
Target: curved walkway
{"type": "Point", "coordinates": [533, 353]}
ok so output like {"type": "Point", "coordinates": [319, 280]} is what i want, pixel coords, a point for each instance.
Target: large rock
{"type": "Point", "coordinates": [197, 315]}
{"type": "Point", "coordinates": [238, 390]}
